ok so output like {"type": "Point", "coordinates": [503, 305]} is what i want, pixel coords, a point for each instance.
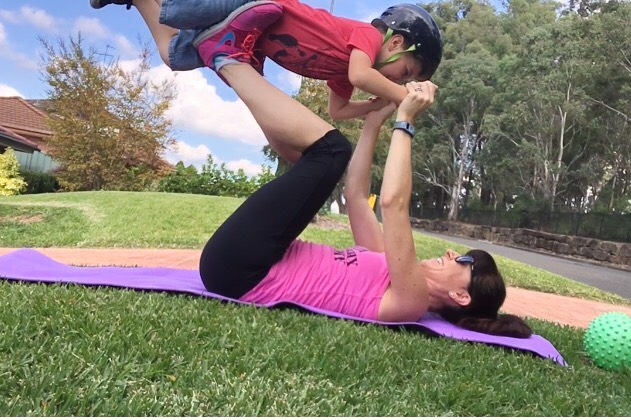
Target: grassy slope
{"type": "Point", "coordinates": [70, 350]}
{"type": "Point", "coordinates": [156, 220]}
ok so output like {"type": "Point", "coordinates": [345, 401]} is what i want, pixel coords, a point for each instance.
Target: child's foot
{"type": "Point", "coordinates": [97, 4]}
{"type": "Point", "coordinates": [233, 39]}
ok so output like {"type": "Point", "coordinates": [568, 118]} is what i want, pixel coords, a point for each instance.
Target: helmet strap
{"type": "Point", "coordinates": [396, 56]}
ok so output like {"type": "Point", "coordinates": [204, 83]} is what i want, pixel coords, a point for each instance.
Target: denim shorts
{"type": "Point", "coordinates": [191, 17]}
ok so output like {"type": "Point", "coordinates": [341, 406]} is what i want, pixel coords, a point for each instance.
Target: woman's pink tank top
{"type": "Point", "coordinates": [350, 281]}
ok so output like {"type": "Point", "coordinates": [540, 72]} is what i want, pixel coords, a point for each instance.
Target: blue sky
{"type": "Point", "coordinates": [208, 117]}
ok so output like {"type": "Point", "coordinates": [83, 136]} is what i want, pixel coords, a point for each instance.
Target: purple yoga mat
{"type": "Point", "coordinates": [32, 266]}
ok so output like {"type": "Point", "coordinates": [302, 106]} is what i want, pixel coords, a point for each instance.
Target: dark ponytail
{"type": "Point", "coordinates": [487, 291]}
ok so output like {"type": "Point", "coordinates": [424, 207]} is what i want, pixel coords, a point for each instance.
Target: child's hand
{"type": "Point", "coordinates": [379, 116]}
{"type": "Point", "coordinates": [377, 103]}
{"type": "Point", "coordinates": [420, 97]}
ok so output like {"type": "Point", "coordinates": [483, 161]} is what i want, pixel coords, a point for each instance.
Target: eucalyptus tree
{"type": "Point", "coordinates": [606, 40]}
{"type": "Point", "coordinates": [465, 94]}
{"type": "Point", "coordinates": [453, 131]}
{"type": "Point", "coordinates": [522, 16]}
{"type": "Point", "coordinates": [543, 111]}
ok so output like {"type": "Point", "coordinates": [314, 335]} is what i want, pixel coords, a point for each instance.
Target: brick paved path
{"type": "Point", "coordinates": [560, 309]}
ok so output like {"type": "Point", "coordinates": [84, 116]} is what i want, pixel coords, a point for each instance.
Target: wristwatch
{"type": "Point", "coordinates": [405, 126]}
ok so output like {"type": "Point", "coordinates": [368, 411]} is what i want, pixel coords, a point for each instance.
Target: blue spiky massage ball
{"type": "Point", "coordinates": [607, 341]}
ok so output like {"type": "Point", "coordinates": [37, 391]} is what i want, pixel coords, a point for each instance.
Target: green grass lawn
{"type": "Point", "coordinates": [70, 350]}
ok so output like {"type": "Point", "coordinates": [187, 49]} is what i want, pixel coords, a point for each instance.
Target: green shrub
{"type": "Point", "coordinates": [11, 183]}
{"type": "Point", "coordinates": [213, 180]}
{"type": "Point", "coordinates": [39, 182]}
{"type": "Point", "coordinates": [183, 179]}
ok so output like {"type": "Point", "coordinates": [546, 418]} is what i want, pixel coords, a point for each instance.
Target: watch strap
{"type": "Point", "coordinates": [405, 126]}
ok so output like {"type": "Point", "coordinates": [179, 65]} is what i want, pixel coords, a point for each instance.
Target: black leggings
{"type": "Point", "coordinates": [255, 237]}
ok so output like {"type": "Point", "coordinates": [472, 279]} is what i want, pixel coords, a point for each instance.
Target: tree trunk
{"type": "Point", "coordinates": [559, 163]}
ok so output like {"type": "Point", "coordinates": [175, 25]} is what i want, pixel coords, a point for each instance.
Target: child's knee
{"type": "Point", "coordinates": [165, 58]}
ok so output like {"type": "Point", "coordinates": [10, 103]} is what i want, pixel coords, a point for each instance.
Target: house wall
{"type": "Point", "coordinates": [36, 162]}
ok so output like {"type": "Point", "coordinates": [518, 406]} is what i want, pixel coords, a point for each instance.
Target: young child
{"type": "Point", "coordinates": [403, 44]}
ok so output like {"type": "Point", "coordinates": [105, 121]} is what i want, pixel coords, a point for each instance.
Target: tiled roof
{"type": "Point", "coordinates": [44, 105]}
{"type": "Point", "coordinates": [12, 137]}
{"type": "Point", "coordinates": [19, 115]}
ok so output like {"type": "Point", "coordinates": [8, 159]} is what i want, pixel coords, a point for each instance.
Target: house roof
{"type": "Point", "coordinates": [13, 140]}
{"type": "Point", "coordinates": [19, 115]}
{"type": "Point", "coordinates": [44, 105]}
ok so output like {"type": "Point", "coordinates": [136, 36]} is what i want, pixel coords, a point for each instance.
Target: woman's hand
{"type": "Point", "coordinates": [380, 115]}
{"type": "Point", "coordinates": [420, 97]}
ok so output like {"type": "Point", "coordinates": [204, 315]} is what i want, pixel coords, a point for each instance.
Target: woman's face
{"type": "Point", "coordinates": [447, 271]}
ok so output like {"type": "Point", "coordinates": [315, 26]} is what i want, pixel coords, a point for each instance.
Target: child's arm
{"type": "Point", "coordinates": [363, 76]}
{"type": "Point", "coordinates": [343, 109]}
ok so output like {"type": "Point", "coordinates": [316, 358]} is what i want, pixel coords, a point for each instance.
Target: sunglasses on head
{"type": "Point", "coordinates": [465, 259]}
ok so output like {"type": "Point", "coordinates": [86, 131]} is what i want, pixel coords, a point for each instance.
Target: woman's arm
{"type": "Point", "coordinates": [407, 298]}
{"type": "Point", "coordinates": [364, 224]}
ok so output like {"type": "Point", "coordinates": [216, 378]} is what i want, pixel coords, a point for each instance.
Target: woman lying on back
{"type": "Point", "coordinates": [255, 255]}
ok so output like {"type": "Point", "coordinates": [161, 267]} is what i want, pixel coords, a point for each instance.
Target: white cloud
{"type": "Point", "coordinates": [288, 82]}
{"type": "Point", "coordinates": [198, 156]}
{"type": "Point", "coordinates": [199, 109]}
{"type": "Point", "coordinates": [190, 155]}
{"type": "Point", "coordinates": [283, 79]}
{"type": "Point", "coordinates": [126, 48]}
{"type": "Point", "coordinates": [22, 60]}
{"type": "Point", "coordinates": [8, 53]}
{"type": "Point", "coordinates": [31, 16]}
{"type": "Point", "coordinates": [9, 16]}
{"type": "Point", "coordinates": [8, 91]}
{"type": "Point", "coordinates": [3, 34]}
{"type": "Point", "coordinates": [370, 16]}
{"type": "Point", "coordinates": [131, 65]}
{"type": "Point", "coordinates": [251, 169]}
{"type": "Point", "coordinates": [40, 19]}
{"type": "Point", "coordinates": [91, 27]}
{"type": "Point", "coordinates": [367, 15]}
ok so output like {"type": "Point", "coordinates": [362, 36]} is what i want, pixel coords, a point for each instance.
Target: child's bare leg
{"type": "Point", "coordinates": [162, 34]}
{"type": "Point", "coordinates": [289, 126]}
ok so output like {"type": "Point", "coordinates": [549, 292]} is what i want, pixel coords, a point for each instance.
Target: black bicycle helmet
{"type": "Point", "coordinates": [419, 28]}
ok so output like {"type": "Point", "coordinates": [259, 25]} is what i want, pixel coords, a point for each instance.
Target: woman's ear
{"type": "Point", "coordinates": [461, 297]}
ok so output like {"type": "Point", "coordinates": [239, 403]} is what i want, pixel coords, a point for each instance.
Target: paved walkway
{"type": "Point", "coordinates": [526, 303]}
